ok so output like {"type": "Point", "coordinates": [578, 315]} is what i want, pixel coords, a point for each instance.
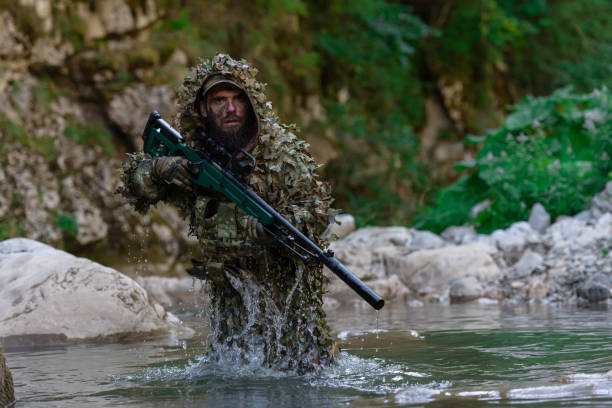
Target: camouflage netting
{"type": "Point", "coordinates": [7, 392]}
{"type": "Point", "coordinates": [265, 306]}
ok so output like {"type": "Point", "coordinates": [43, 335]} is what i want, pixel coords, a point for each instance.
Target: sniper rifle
{"type": "Point", "coordinates": [217, 170]}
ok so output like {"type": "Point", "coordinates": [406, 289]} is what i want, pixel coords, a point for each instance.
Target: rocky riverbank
{"type": "Point", "coordinates": [50, 295]}
{"type": "Point", "coordinates": [567, 261]}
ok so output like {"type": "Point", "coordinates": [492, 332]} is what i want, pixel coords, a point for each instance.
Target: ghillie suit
{"type": "Point", "coordinates": [265, 306]}
{"type": "Point", "coordinates": [7, 393]}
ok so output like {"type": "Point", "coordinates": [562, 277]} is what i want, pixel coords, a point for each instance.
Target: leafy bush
{"type": "Point", "coordinates": [553, 150]}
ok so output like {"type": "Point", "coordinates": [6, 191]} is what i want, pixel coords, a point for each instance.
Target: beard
{"type": "Point", "coordinates": [231, 140]}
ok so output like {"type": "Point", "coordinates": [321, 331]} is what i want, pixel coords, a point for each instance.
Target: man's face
{"type": "Point", "coordinates": [227, 107]}
{"type": "Point", "coordinates": [228, 116]}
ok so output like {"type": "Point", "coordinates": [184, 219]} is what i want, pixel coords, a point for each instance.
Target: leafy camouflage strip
{"type": "Point", "coordinates": [7, 392]}
{"type": "Point", "coordinates": [285, 176]}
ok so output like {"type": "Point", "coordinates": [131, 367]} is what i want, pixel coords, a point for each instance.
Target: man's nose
{"type": "Point", "coordinates": [231, 107]}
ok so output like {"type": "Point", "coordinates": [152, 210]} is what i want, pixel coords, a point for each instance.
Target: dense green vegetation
{"type": "Point", "coordinates": [553, 150]}
{"type": "Point", "coordinates": [356, 75]}
{"type": "Point", "coordinates": [371, 96]}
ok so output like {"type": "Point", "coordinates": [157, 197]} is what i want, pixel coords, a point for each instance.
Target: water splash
{"type": "Point", "coordinates": [371, 375]}
{"type": "Point", "coordinates": [257, 323]}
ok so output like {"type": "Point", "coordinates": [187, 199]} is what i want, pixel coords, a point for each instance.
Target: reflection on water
{"type": "Point", "coordinates": [468, 355]}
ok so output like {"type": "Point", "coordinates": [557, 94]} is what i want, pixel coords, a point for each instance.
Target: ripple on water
{"type": "Point", "coordinates": [556, 362]}
{"type": "Point", "coordinates": [368, 375]}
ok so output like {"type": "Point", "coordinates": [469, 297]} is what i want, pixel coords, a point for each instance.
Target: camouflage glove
{"type": "Point", "coordinates": [255, 230]}
{"type": "Point", "coordinates": [173, 170]}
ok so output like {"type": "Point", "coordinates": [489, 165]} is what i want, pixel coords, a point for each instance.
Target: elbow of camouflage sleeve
{"type": "Point", "coordinates": [138, 186]}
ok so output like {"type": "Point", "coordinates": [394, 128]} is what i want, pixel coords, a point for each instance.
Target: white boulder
{"type": "Point", "coordinates": [50, 292]}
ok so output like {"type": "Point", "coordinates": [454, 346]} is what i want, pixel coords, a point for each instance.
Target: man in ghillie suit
{"type": "Point", "coordinates": [266, 306]}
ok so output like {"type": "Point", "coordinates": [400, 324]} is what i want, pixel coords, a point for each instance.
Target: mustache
{"type": "Point", "coordinates": [230, 117]}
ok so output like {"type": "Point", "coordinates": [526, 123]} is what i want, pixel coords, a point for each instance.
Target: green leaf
{"type": "Point", "coordinates": [465, 165]}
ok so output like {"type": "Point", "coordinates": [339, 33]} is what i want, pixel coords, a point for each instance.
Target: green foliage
{"type": "Point", "coordinates": [369, 66]}
{"type": "Point", "coordinates": [9, 228]}
{"type": "Point", "coordinates": [179, 30]}
{"type": "Point", "coordinates": [67, 223]}
{"type": "Point", "coordinates": [13, 134]}
{"type": "Point", "coordinates": [306, 50]}
{"type": "Point", "coordinates": [44, 93]}
{"type": "Point", "coordinates": [377, 173]}
{"type": "Point", "coordinates": [570, 42]}
{"type": "Point", "coordinates": [90, 135]}
{"type": "Point", "coordinates": [381, 172]}
{"type": "Point", "coordinates": [553, 150]}
{"type": "Point", "coordinates": [71, 26]}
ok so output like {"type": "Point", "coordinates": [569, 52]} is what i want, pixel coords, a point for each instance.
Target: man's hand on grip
{"type": "Point", "coordinates": [173, 170]}
{"type": "Point", "coordinates": [255, 230]}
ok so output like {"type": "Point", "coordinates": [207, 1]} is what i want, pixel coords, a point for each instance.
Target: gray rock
{"type": "Point", "coordinates": [459, 235]}
{"type": "Point", "coordinates": [365, 250]}
{"type": "Point", "coordinates": [117, 17]}
{"type": "Point", "coordinates": [374, 237]}
{"type": "Point", "coordinates": [602, 202]}
{"type": "Point", "coordinates": [174, 292]}
{"type": "Point", "coordinates": [12, 41]}
{"type": "Point", "coordinates": [560, 237]}
{"type": "Point", "coordinates": [596, 288]}
{"type": "Point", "coordinates": [131, 108]}
{"type": "Point", "coordinates": [584, 216]}
{"type": "Point", "coordinates": [583, 236]}
{"type": "Point", "coordinates": [430, 271]}
{"type": "Point", "coordinates": [426, 240]}
{"type": "Point", "coordinates": [465, 289]}
{"type": "Point", "coordinates": [539, 219]}
{"type": "Point", "coordinates": [44, 291]}
{"type": "Point", "coordinates": [366, 264]}
{"type": "Point", "coordinates": [515, 240]}
{"type": "Point", "coordinates": [390, 288]}
{"type": "Point", "coordinates": [344, 225]}
{"type": "Point", "coordinates": [538, 288]}
{"type": "Point", "coordinates": [529, 262]}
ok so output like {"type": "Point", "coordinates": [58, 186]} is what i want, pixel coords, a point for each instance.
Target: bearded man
{"type": "Point", "coordinates": [266, 306]}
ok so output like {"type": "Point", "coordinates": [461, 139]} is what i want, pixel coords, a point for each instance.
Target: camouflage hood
{"type": "Point", "coordinates": [240, 73]}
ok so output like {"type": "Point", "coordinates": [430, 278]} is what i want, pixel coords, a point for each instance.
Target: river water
{"type": "Point", "coordinates": [435, 355]}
